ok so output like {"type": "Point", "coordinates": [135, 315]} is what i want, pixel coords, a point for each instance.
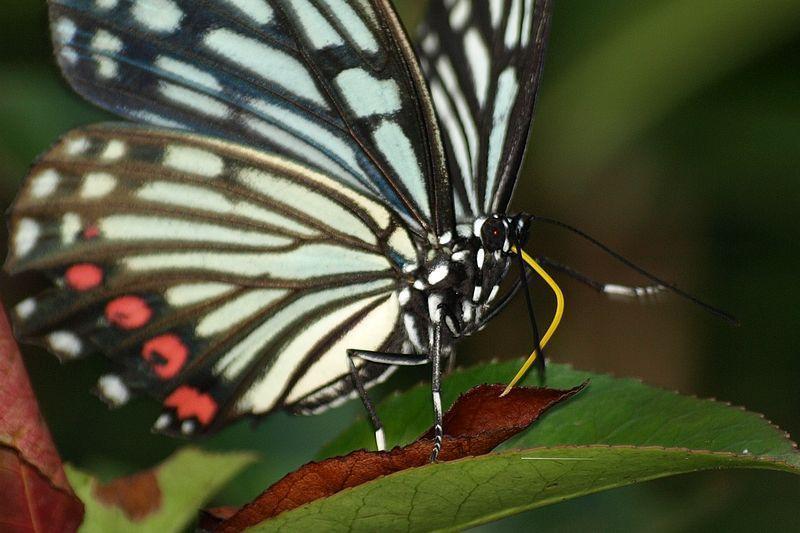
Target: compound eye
{"type": "Point", "coordinates": [493, 234]}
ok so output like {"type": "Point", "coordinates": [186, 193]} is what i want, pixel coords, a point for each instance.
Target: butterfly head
{"type": "Point", "coordinates": [498, 233]}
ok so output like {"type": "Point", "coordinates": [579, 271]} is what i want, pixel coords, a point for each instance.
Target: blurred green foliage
{"type": "Point", "coordinates": [669, 128]}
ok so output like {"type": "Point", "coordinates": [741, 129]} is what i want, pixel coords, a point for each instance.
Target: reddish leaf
{"type": "Point", "coordinates": [211, 519]}
{"type": "Point", "coordinates": [36, 495]}
{"type": "Point", "coordinates": [478, 422]}
{"type": "Point", "coordinates": [137, 495]}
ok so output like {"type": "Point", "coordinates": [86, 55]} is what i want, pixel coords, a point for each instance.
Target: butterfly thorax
{"type": "Point", "coordinates": [457, 282]}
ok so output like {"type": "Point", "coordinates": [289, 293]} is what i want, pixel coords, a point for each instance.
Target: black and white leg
{"type": "Point", "coordinates": [612, 289]}
{"type": "Point", "coordinates": [436, 389]}
{"type": "Point", "coordinates": [391, 359]}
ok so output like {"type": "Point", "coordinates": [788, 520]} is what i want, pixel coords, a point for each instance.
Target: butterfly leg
{"type": "Point", "coordinates": [384, 359]}
{"type": "Point", "coordinates": [605, 288]}
{"type": "Point", "coordinates": [537, 340]}
{"type": "Point", "coordinates": [502, 302]}
{"type": "Point", "coordinates": [436, 388]}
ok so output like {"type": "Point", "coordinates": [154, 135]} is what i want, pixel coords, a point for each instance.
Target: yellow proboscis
{"type": "Point", "coordinates": [553, 325]}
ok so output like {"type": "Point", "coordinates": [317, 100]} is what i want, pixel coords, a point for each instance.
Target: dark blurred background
{"type": "Point", "coordinates": [668, 128]}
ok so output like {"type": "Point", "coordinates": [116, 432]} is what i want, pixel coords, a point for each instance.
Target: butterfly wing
{"type": "Point", "coordinates": [483, 61]}
{"type": "Point", "coordinates": [333, 84]}
{"type": "Point", "coordinates": [220, 279]}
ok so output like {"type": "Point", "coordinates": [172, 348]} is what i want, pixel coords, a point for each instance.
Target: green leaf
{"type": "Point", "coordinates": [469, 492]}
{"type": "Point", "coordinates": [610, 411]}
{"type": "Point", "coordinates": [183, 483]}
{"type": "Point", "coordinates": [617, 432]}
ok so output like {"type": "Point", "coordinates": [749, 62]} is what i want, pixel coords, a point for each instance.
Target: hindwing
{"type": "Point", "coordinates": [223, 280]}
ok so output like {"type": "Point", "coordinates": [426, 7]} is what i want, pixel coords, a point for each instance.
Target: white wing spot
{"type": "Point", "coordinates": [76, 146]}
{"type": "Point", "coordinates": [113, 390]}
{"type": "Point", "coordinates": [45, 184]}
{"type": "Point", "coordinates": [26, 237]}
{"type": "Point", "coordinates": [26, 308]}
{"type": "Point", "coordinates": [70, 226]}
{"type": "Point", "coordinates": [513, 25]}
{"type": "Point", "coordinates": [193, 161]}
{"type": "Point", "coordinates": [356, 27]}
{"type": "Point", "coordinates": [69, 55]}
{"type": "Point", "coordinates": [367, 95]}
{"type": "Point", "coordinates": [479, 62]}
{"type": "Point", "coordinates": [460, 256]}
{"type": "Point", "coordinates": [65, 343]}
{"type": "Point", "coordinates": [65, 30]}
{"type": "Point", "coordinates": [107, 68]}
{"type": "Point", "coordinates": [317, 29]}
{"type": "Point", "coordinates": [104, 41]}
{"type": "Point", "coordinates": [460, 14]}
{"type": "Point", "coordinates": [496, 9]}
{"type": "Point", "coordinates": [114, 150]}
{"type": "Point", "coordinates": [105, 4]}
{"type": "Point", "coordinates": [162, 422]}
{"type": "Point", "coordinates": [157, 15]}
{"type": "Point", "coordinates": [527, 22]}
{"type": "Point", "coordinates": [97, 185]}
{"type": "Point", "coordinates": [430, 44]}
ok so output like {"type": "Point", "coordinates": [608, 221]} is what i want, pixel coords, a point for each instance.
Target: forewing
{"type": "Point", "coordinates": [220, 279]}
{"type": "Point", "coordinates": [330, 83]}
{"type": "Point", "coordinates": [483, 61]}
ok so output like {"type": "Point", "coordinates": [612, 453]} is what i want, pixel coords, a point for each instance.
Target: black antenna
{"type": "Point", "coordinates": [540, 363]}
{"type": "Point", "coordinates": [627, 262]}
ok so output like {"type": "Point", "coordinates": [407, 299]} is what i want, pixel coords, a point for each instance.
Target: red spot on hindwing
{"type": "Point", "coordinates": [190, 402]}
{"type": "Point", "coordinates": [128, 312]}
{"type": "Point", "coordinates": [83, 276]}
{"type": "Point", "coordinates": [91, 232]}
{"type": "Point", "coordinates": [166, 354]}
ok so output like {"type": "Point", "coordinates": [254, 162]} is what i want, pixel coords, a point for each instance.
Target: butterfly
{"type": "Point", "coordinates": [302, 200]}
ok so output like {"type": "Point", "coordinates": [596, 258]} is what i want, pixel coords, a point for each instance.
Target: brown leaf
{"type": "Point", "coordinates": [36, 495]}
{"type": "Point", "coordinates": [477, 423]}
{"type": "Point", "coordinates": [211, 519]}
{"type": "Point", "coordinates": [137, 495]}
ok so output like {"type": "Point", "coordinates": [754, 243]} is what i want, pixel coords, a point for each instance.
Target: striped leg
{"type": "Point", "coordinates": [436, 388]}
{"type": "Point", "coordinates": [385, 359]}
{"type": "Point", "coordinates": [611, 289]}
